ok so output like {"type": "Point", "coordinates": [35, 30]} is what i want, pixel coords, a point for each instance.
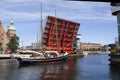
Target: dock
{"type": "Point", "coordinates": [9, 56]}
{"type": "Point", "coordinates": [5, 56]}
{"type": "Point", "coordinates": [76, 55]}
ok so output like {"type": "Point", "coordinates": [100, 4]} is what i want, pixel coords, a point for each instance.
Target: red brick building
{"type": "Point", "coordinates": [6, 33]}
{"type": "Point", "coordinates": [2, 35]}
{"type": "Point", "coordinates": [59, 34]}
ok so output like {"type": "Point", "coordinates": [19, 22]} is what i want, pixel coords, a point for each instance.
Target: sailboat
{"type": "Point", "coordinates": [43, 56]}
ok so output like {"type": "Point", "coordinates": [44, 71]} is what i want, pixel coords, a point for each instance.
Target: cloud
{"type": "Point", "coordinates": [19, 11]}
{"type": "Point", "coordinates": [29, 10]}
{"type": "Point", "coordinates": [18, 1]}
{"type": "Point", "coordinates": [18, 15]}
{"type": "Point", "coordinates": [72, 10]}
{"type": "Point", "coordinates": [80, 10]}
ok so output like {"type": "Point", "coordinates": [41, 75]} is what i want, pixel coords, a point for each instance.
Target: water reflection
{"type": "Point", "coordinates": [7, 69]}
{"type": "Point", "coordinates": [114, 73]}
{"type": "Point", "coordinates": [64, 71]}
{"type": "Point", "coordinates": [10, 70]}
{"type": "Point", "coordinates": [87, 68]}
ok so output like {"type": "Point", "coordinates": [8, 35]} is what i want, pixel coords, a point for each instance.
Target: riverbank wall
{"type": "Point", "coordinates": [94, 52]}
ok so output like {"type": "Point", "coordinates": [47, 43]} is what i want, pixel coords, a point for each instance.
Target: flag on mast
{"type": "Point", "coordinates": [54, 6]}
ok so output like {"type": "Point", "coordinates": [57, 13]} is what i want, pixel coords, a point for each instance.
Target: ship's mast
{"type": "Point", "coordinates": [41, 28]}
{"type": "Point", "coordinates": [56, 30]}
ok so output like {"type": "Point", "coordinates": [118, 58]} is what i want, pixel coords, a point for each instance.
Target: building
{"type": "Point", "coordinates": [116, 12]}
{"type": "Point", "coordinates": [6, 33]}
{"type": "Point", "coordinates": [88, 46]}
{"type": "Point", "coordinates": [34, 46]}
{"type": "Point", "coordinates": [10, 30]}
{"type": "Point", "coordinates": [2, 35]}
{"type": "Point", "coordinates": [59, 34]}
{"type": "Point", "coordinates": [77, 41]}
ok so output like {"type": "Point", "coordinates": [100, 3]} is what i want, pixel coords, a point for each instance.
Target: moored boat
{"type": "Point", "coordinates": [38, 58]}
{"type": "Point", "coordinates": [44, 56]}
{"type": "Point", "coordinates": [114, 55]}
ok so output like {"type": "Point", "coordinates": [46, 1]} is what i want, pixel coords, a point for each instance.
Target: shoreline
{"type": "Point", "coordinates": [8, 56]}
{"type": "Point", "coordinates": [76, 55]}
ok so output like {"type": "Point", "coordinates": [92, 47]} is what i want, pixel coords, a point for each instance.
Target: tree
{"type": "Point", "coordinates": [13, 43]}
{"type": "Point", "coordinates": [1, 48]}
{"type": "Point", "coordinates": [0, 44]}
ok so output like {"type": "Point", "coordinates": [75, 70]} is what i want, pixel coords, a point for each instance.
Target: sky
{"type": "Point", "coordinates": [97, 24]}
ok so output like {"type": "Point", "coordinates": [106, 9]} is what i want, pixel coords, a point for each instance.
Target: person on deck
{"type": "Point", "coordinates": [7, 51]}
{"type": "Point", "coordinates": [62, 51]}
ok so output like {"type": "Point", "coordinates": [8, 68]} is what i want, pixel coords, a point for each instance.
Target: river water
{"type": "Point", "coordinates": [92, 67]}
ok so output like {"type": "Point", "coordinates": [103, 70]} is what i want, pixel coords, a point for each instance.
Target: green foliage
{"type": "Point", "coordinates": [1, 48]}
{"type": "Point", "coordinates": [0, 44]}
{"type": "Point", "coordinates": [13, 43]}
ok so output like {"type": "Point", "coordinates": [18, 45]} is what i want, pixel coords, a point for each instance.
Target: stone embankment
{"type": "Point", "coordinates": [94, 52]}
{"type": "Point", "coordinates": [76, 55]}
{"type": "Point", "coordinates": [5, 56]}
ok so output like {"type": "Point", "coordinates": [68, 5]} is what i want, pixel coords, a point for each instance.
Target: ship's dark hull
{"type": "Point", "coordinates": [114, 59]}
{"type": "Point", "coordinates": [42, 61]}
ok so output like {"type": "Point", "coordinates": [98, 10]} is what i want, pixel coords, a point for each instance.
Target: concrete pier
{"type": "Point", "coordinates": [5, 56]}
{"type": "Point", "coordinates": [9, 56]}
